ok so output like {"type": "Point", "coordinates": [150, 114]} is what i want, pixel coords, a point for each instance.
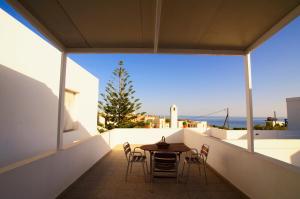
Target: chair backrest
{"type": "Point", "coordinates": [127, 150]}
{"type": "Point", "coordinates": [165, 161]}
{"type": "Point", "coordinates": [204, 151]}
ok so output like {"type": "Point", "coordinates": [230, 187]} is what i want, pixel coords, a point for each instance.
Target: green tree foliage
{"type": "Point", "coordinates": [119, 104]}
{"type": "Point", "coordinates": [269, 126]}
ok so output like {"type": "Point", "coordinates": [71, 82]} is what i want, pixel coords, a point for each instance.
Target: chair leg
{"type": "Point", "coordinates": [131, 168]}
{"type": "Point", "coordinates": [182, 169]}
{"type": "Point", "coordinates": [177, 175]}
{"type": "Point", "coordinates": [143, 165]}
{"type": "Point", "coordinates": [204, 166]}
{"type": "Point", "coordinates": [127, 171]}
{"type": "Point", "coordinates": [151, 181]}
{"type": "Point", "coordinates": [199, 167]}
{"type": "Point", "coordinates": [188, 172]}
{"type": "Point", "coordinates": [152, 175]}
{"type": "Point", "coordinates": [147, 167]}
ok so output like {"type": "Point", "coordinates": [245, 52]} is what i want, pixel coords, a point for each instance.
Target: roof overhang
{"type": "Point", "coordinates": [219, 27]}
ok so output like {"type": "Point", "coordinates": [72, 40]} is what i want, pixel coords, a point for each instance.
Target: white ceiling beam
{"type": "Point", "coordinates": [274, 29]}
{"type": "Point", "coordinates": [150, 51]}
{"type": "Point", "coordinates": [157, 24]}
{"type": "Point", "coordinates": [37, 24]}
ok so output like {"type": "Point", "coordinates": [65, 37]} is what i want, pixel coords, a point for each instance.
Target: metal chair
{"type": "Point", "coordinates": [164, 163]}
{"type": "Point", "coordinates": [134, 157]}
{"type": "Point", "coordinates": [197, 158]}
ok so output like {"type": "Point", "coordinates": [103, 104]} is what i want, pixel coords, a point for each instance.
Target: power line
{"type": "Point", "coordinates": [226, 121]}
{"type": "Point", "coordinates": [222, 110]}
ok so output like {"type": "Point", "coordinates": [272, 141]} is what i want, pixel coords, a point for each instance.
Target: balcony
{"type": "Point", "coordinates": [234, 172]}
{"type": "Point", "coordinates": [106, 179]}
{"type": "Point", "coordinates": [39, 160]}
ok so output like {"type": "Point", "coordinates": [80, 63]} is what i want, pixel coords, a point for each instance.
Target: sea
{"type": "Point", "coordinates": [234, 122]}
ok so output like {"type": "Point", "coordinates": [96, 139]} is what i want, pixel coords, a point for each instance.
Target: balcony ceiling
{"type": "Point", "coordinates": [163, 26]}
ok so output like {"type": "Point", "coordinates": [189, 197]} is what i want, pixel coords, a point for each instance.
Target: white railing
{"type": "Point", "coordinates": [144, 136]}
{"type": "Point", "coordinates": [47, 175]}
{"type": "Point", "coordinates": [258, 134]}
{"type": "Point", "coordinates": [256, 175]}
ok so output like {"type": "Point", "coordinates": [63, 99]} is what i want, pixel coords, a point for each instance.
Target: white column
{"type": "Point", "coordinates": [61, 101]}
{"type": "Point", "coordinates": [249, 106]}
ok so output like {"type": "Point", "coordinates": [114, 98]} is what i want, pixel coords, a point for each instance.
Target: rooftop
{"type": "Point", "coordinates": [106, 179]}
{"type": "Point", "coordinates": [41, 161]}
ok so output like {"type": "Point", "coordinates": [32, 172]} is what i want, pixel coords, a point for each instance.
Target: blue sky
{"type": "Point", "coordinates": [200, 84]}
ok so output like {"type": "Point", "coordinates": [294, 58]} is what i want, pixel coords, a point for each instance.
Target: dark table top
{"type": "Point", "coordinates": [173, 147]}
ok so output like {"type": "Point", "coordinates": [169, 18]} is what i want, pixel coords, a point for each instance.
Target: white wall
{"type": "Point", "coordinates": [86, 102]}
{"type": "Point", "coordinates": [256, 175]}
{"type": "Point", "coordinates": [47, 177]}
{"type": "Point", "coordinates": [276, 134]}
{"type": "Point", "coordinates": [293, 113]}
{"type": "Point", "coordinates": [144, 136]}
{"type": "Point", "coordinates": [286, 150]}
{"type": "Point", "coordinates": [258, 134]}
{"type": "Point", "coordinates": [30, 166]}
{"type": "Point", "coordinates": [29, 87]}
{"type": "Point", "coordinates": [29, 84]}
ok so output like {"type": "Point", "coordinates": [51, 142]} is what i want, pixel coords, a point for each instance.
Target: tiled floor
{"type": "Point", "coordinates": [106, 179]}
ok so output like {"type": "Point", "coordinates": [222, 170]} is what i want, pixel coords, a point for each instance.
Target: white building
{"type": "Point", "coordinates": [30, 71]}
{"type": "Point", "coordinates": [173, 116]}
{"type": "Point", "coordinates": [180, 124]}
{"type": "Point", "coordinates": [202, 124]}
{"type": "Point", "coordinates": [159, 122]}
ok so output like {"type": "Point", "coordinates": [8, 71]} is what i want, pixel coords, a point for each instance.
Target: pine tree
{"type": "Point", "coordinates": [119, 105]}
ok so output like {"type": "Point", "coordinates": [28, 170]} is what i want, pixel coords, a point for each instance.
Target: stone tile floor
{"type": "Point", "coordinates": [106, 179]}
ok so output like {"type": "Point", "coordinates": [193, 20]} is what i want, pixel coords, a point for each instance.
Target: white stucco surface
{"type": "Point", "coordinates": [29, 82]}
{"type": "Point", "coordinates": [258, 134]}
{"type": "Point", "coordinates": [29, 85]}
{"type": "Point", "coordinates": [256, 175]}
{"type": "Point", "coordinates": [286, 150]}
{"type": "Point", "coordinates": [283, 145]}
{"type": "Point", "coordinates": [30, 166]}
{"type": "Point", "coordinates": [47, 177]}
{"type": "Point", "coordinates": [86, 86]}
{"type": "Point", "coordinates": [144, 136]}
{"type": "Point", "coordinates": [293, 113]}
{"type": "Point", "coordinates": [173, 116]}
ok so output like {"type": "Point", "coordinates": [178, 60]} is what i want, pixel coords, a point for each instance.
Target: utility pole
{"type": "Point", "coordinates": [226, 119]}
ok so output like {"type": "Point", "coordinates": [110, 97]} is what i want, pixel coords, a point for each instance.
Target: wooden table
{"type": "Point", "coordinates": [173, 147]}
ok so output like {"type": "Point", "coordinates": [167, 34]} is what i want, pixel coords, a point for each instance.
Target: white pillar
{"type": "Point", "coordinates": [61, 101]}
{"type": "Point", "coordinates": [249, 106]}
